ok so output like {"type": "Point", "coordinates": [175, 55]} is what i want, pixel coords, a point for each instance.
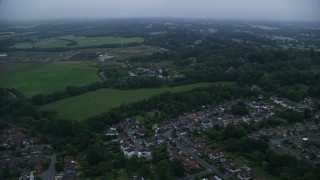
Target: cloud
{"type": "Point", "coordinates": [235, 9]}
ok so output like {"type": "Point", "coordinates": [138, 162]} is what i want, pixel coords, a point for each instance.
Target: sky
{"type": "Point", "coordinates": [292, 10]}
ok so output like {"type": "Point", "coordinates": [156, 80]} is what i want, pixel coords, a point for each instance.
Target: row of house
{"type": "Point", "coordinates": [26, 175]}
{"type": "Point", "coordinates": [129, 151]}
{"type": "Point", "coordinates": [27, 150]}
{"type": "Point", "coordinates": [285, 103]}
{"type": "Point", "coordinates": [295, 129]}
{"type": "Point", "coordinates": [188, 161]}
{"type": "Point", "coordinates": [69, 168]}
{"type": "Point", "coordinates": [13, 137]}
{"type": "Point", "coordinates": [221, 116]}
{"type": "Point", "coordinates": [216, 156]}
{"type": "Point", "coordinates": [153, 71]}
{"type": "Point", "coordinates": [17, 162]}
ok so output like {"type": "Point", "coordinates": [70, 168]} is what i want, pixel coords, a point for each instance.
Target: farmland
{"type": "Point", "coordinates": [64, 42]}
{"type": "Point", "coordinates": [45, 78]}
{"type": "Point", "coordinates": [121, 53]}
{"type": "Point", "coordinates": [102, 100]}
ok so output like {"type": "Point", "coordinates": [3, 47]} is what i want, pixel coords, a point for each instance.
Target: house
{"type": "Point", "coordinates": [137, 178]}
{"type": "Point", "coordinates": [140, 131]}
{"type": "Point", "coordinates": [10, 131]}
{"type": "Point", "coordinates": [314, 150]}
{"type": "Point", "coordinates": [148, 142]}
{"type": "Point", "coordinates": [145, 154]}
{"type": "Point", "coordinates": [160, 139]}
{"type": "Point", "coordinates": [188, 162]}
{"type": "Point", "coordinates": [39, 167]}
{"type": "Point", "coordinates": [113, 128]}
{"type": "Point", "coordinates": [15, 162]}
{"type": "Point", "coordinates": [17, 138]}
{"type": "Point", "coordinates": [103, 57]}
{"type": "Point", "coordinates": [215, 155]}
{"type": "Point", "coordinates": [230, 166]}
{"type": "Point", "coordinates": [245, 173]}
{"type": "Point", "coordinates": [311, 126]}
{"type": "Point", "coordinates": [38, 163]}
{"type": "Point", "coordinates": [129, 152]}
{"type": "Point", "coordinates": [34, 141]}
{"type": "Point", "coordinates": [314, 138]}
{"type": "Point", "coordinates": [207, 123]}
{"type": "Point", "coordinates": [155, 113]}
{"type": "Point", "coordinates": [25, 175]}
{"type": "Point", "coordinates": [69, 163]}
{"type": "Point", "coordinates": [5, 154]}
{"type": "Point", "coordinates": [69, 175]}
{"type": "Point", "coordinates": [24, 151]}
{"type": "Point", "coordinates": [69, 159]}
{"type": "Point", "coordinates": [125, 145]}
{"type": "Point", "coordinates": [111, 133]}
{"type": "Point", "coordinates": [192, 117]}
{"type": "Point", "coordinates": [36, 150]}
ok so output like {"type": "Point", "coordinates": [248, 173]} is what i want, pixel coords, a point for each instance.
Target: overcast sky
{"type": "Point", "coordinates": [226, 9]}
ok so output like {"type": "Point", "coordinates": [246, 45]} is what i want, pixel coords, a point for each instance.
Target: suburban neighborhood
{"type": "Point", "coordinates": [31, 158]}
{"type": "Point", "coordinates": [194, 154]}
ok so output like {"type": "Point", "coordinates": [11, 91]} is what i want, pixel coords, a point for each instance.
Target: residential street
{"type": "Point", "coordinates": [136, 142]}
{"type": "Point", "coordinates": [277, 143]}
{"type": "Point", "coordinates": [186, 150]}
{"type": "Point", "coordinates": [51, 172]}
{"type": "Point", "coordinates": [191, 177]}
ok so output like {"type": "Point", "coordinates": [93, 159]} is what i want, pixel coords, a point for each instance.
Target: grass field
{"type": "Point", "coordinates": [46, 78]}
{"type": "Point", "coordinates": [102, 100]}
{"type": "Point", "coordinates": [60, 42]}
{"type": "Point", "coordinates": [283, 38]}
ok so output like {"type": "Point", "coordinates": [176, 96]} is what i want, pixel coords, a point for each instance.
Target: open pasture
{"type": "Point", "coordinates": [46, 78]}
{"type": "Point", "coordinates": [102, 100]}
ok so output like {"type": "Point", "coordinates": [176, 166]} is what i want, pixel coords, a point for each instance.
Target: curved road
{"type": "Point", "coordinates": [51, 172]}
{"type": "Point", "coordinates": [103, 76]}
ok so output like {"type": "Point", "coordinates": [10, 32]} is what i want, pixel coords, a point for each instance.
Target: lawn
{"type": "Point", "coordinates": [46, 78]}
{"type": "Point", "coordinates": [61, 42]}
{"type": "Point", "coordinates": [102, 100]}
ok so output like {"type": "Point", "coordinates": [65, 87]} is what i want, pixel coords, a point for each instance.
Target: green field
{"type": "Point", "coordinates": [46, 78]}
{"type": "Point", "coordinates": [283, 38]}
{"type": "Point", "coordinates": [102, 100]}
{"type": "Point", "coordinates": [61, 42]}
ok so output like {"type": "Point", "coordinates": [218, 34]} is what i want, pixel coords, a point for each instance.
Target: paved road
{"type": "Point", "coordinates": [130, 66]}
{"type": "Point", "coordinates": [136, 142]}
{"type": "Point", "coordinates": [202, 162]}
{"type": "Point", "coordinates": [191, 177]}
{"type": "Point", "coordinates": [103, 76]}
{"type": "Point", "coordinates": [297, 154]}
{"type": "Point", "coordinates": [51, 172]}
{"type": "Point", "coordinates": [13, 95]}
{"type": "Point", "coordinates": [280, 140]}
